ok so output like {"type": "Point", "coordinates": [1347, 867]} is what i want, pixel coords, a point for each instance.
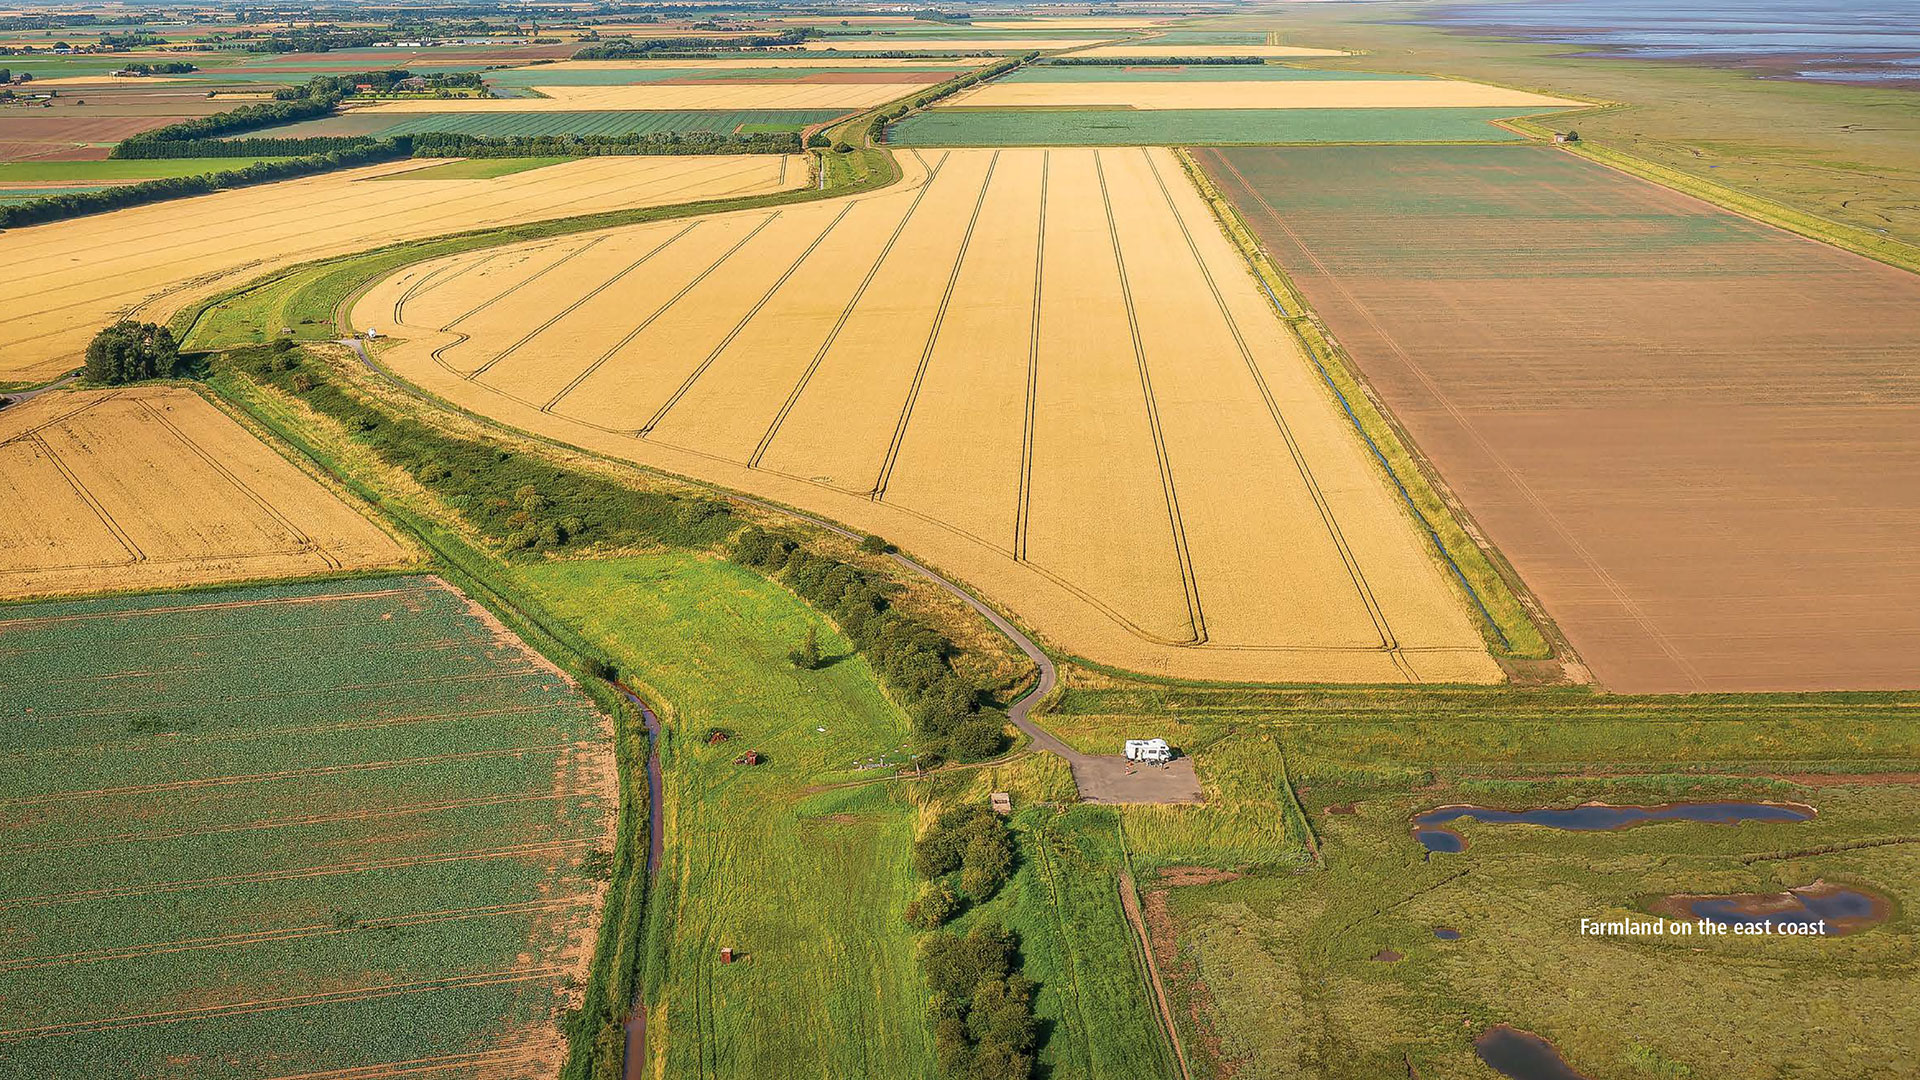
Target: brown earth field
{"type": "Point", "coordinates": [114, 490]}
{"type": "Point", "coordinates": [1045, 371]}
{"type": "Point", "coordinates": [1696, 437]}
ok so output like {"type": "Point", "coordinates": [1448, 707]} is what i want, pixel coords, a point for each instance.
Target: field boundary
{"type": "Point", "coordinates": [1802, 223]}
{"type": "Point", "coordinates": [1521, 629]}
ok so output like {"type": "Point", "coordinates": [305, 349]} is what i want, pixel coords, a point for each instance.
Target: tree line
{"type": "Point", "coordinates": [626, 48]}
{"type": "Point", "coordinates": [530, 507]}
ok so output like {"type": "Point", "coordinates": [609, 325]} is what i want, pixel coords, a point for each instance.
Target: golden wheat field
{"type": "Point", "coordinates": [718, 94]}
{"type": "Point", "coordinates": [153, 487]}
{"type": "Point", "coordinates": [1304, 94]}
{"type": "Point", "coordinates": [70, 278]}
{"type": "Point", "coordinates": [1045, 371]}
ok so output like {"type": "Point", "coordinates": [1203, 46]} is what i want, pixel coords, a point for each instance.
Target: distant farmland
{"type": "Point", "coordinates": [1048, 372]}
{"type": "Point", "coordinates": [294, 831]}
{"type": "Point", "coordinates": [115, 490]}
{"type": "Point", "coordinates": [72, 277]}
{"type": "Point", "coordinates": [1694, 436]}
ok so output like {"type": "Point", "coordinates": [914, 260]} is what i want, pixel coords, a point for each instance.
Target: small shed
{"type": "Point", "coordinates": [1566, 136]}
{"type": "Point", "coordinates": [726, 954]}
{"type": "Point", "coordinates": [1001, 802]}
{"type": "Point", "coordinates": [751, 757]}
{"type": "Point", "coordinates": [717, 736]}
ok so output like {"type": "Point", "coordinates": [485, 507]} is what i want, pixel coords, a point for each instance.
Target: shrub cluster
{"type": "Point", "coordinates": [914, 659]}
{"type": "Point", "coordinates": [531, 506]}
{"type": "Point", "coordinates": [439, 144]}
{"type": "Point", "coordinates": [131, 351]}
{"type": "Point", "coordinates": [310, 146]}
{"type": "Point", "coordinates": [521, 501]}
{"type": "Point", "coordinates": [970, 843]}
{"type": "Point", "coordinates": [983, 1025]}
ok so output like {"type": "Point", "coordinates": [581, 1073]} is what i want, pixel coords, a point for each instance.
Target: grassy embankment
{"type": "Point", "coordinates": [1275, 975]}
{"type": "Point", "coordinates": [1838, 162]}
{"type": "Point", "coordinates": [1511, 626]}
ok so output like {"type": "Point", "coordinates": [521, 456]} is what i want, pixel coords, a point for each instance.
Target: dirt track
{"type": "Point", "coordinates": [1697, 438]}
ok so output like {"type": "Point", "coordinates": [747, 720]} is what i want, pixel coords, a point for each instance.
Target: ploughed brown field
{"type": "Point", "coordinates": [1696, 437]}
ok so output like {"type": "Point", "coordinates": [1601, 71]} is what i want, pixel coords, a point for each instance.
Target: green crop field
{"type": "Point", "coordinates": [605, 123]}
{"type": "Point", "coordinates": [1276, 973]}
{"type": "Point", "coordinates": [290, 829]}
{"type": "Point", "coordinates": [1053, 73]}
{"type": "Point", "coordinates": [476, 169]}
{"type": "Point", "coordinates": [807, 886]}
{"type": "Point", "coordinates": [1195, 127]}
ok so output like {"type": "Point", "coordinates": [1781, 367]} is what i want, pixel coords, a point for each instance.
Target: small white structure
{"type": "Point", "coordinates": [372, 333]}
{"type": "Point", "coordinates": [1151, 751]}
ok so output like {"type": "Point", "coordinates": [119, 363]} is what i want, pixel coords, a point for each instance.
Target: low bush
{"type": "Point", "coordinates": [971, 841]}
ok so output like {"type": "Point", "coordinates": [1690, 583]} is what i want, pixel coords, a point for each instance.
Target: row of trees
{"type": "Point", "coordinates": [258, 147]}
{"type": "Point", "coordinates": [626, 48]}
{"type": "Point", "coordinates": [637, 144]}
{"type": "Point", "coordinates": [61, 207]}
{"type": "Point", "coordinates": [914, 659]}
{"type": "Point", "coordinates": [966, 855]}
{"type": "Point", "coordinates": [983, 1026]}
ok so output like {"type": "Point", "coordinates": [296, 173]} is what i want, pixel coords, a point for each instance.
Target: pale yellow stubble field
{"type": "Point", "coordinates": [1304, 94]}
{"type": "Point", "coordinates": [154, 487]}
{"type": "Point", "coordinates": [1045, 371]}
{"type": "Point", "coordinates": [70, 278]}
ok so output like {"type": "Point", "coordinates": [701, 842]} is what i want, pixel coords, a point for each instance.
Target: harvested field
{"type": "Point", "coordinates": [1196, 127]}
{"type": "Point", "coordinates": [76, 276]}
{"type": "Point", "coordinates": [972, 44]}
{"type": "Point", "coordinates": [331, 830]}
{"type": "Point", "coordinates": [1045, 371]}
{"type": "Point", "coordinates": [1697, 438]}
{"type": "Point", "coordinates": [518, 120]}
{"type": "Point", "coordinates": [125, 489]}
{"type": "Point", "coordinates": [730, 94]}
{"type": "Point", "coordinates": [1253, 94]}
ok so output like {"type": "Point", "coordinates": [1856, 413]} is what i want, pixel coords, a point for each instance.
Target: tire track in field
{"type": "Point", "coordinates": [879, 491]}
{"type": "Point", "coordinates": [93, 503]}
{"type": "Point", "coordinates": [288, 774]}
{"type": "Point", "coordinates": [304, 543]}
{"type": "Point", "coordinates": [846, 313]}
{"type": "Point", "coordinates": [1023, 505]}
{"type": "Point", "coordinates": [739, 327]}
{"type": "Point", "coordinates": [502, 977]}
{"type": "Point", "coordinates": [557, 316]}
{"type": "Point", "coordinates": [244, 735]}
{"type": "Point", "coordinates": [518, 285]}
{"type": "Point", "coordinates": [290, 933]}
{"type": "Point", "coordinates": [338, 818]}
{"type": "Point", "coordinates": [665, 306]}
{"type": "Point", "coordinates": [1375, 612]}
{"type": "Point", "coordinates": [437, 277]}
{"type": "Point", "coordinates": [263, 877]}
{"type": "Point", "coordinates": [1617, 591]}
{"type": "Point", "coordinates": [1195, 616]}
{"type": "Point", "coordinates": [470, 1064]}
{"type": "Point", "coordinates": [27, 434]}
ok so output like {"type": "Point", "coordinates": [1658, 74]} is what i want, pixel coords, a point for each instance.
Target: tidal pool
{"type": "Point", "coordinates": [1834, 909]}
{"type": "Point", "coordinates": [1430, 828]}
{"type": "Point", "coordinates": [1522, 1055]}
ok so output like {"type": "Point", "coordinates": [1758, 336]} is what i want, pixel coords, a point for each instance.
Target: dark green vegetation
{"type": "Point", "coordinates": [1274, 973]}
{"type": "Point", "coordinates": [982, 1010]}
{"type": "Point", "coordinates": [526, 505]}
{"type": "Point", "coordinates": [130, 352]}
{"type": "Point", "coordinates": [289, 829]}
{"type": "Point", "coordinates": [609, 123]}
{"type": "Point", "coordinates": [59, 207]}
{"type": "Point", "coordinates": [1191, 127]}
{"type": "Point", "coordinates": [18, 172]}
{"type": "Point", "coordinates": [967, 849]}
